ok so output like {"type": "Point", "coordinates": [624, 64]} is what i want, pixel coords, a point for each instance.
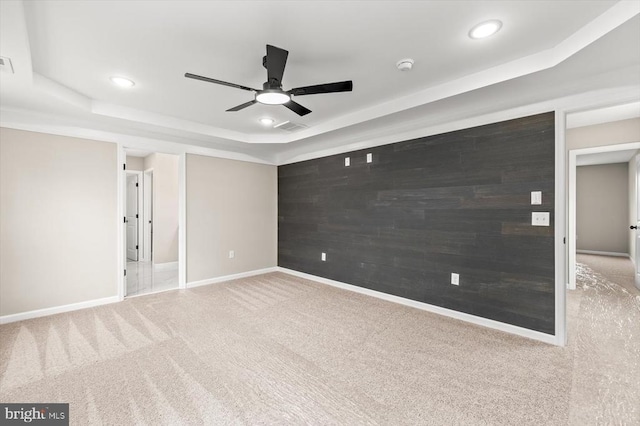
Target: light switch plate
{"type": "Point", "coordinates": [323, 257]}
{"type": "Point", "coordinates": [369, 158]}
{"type": "Point", "coordinates": [455, 279]}
{"type": "Point", "coordinates": [347, 161]}
{"type": "Point", "coordinates": [536, 198]}
{"type": "Point", "coordinates": [232, 254]}
{"type": "Point", "coordinates": [540, 218]}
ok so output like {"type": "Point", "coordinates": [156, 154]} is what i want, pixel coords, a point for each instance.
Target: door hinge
{"type": "Point", "coordinates": [136, 215]}
{"type": "Point", "coordinates": [124, 166]}
{"type": "Point", "coordinates": [564, 240]}
{"type": "Point", "coordinates": [136, 247]}
{"type": "Point", "coordinates": [125, 272]}
{"type": "Point", "coordinates": [125, 219]}
{"type": "Point", "coordinates": [136, 184]}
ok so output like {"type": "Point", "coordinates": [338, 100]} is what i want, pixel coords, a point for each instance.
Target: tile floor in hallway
{"type": "Point", "coordinates": [144, 277]}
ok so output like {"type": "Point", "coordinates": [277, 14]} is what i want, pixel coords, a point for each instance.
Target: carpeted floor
{"type": "Point", "coordinates": [276, 349]}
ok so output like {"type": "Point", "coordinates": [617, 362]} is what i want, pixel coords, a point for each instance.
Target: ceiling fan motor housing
{"type": "Point", "coordinates": [272, 94]}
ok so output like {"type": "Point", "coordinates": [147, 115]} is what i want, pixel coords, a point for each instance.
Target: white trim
{"type": "Point", "coordinates": [571, 217]}
{"type": "Point", "coordinates": [484, 322]}
{"type": "Point", "coordinates": [120, 213]}
{"type": "Point", "coordinates": [571, 237]}
{"type": "Point", "coordinates": [165, 265]}
{"type": "Point", "coordinates": [182, 221]}
{"type": "Point", "coordinates": [232, 277]}
{"type": "Point", "coordinates": [560, 224]}
{"type": "Point", "coordinates": [147, 211]}
{"type": "Point", "coordinates": [604, 253]}
{"type": "Point", "coordinates": [6, 319]}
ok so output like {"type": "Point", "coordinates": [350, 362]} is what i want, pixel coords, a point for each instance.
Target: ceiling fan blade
{"type": "Point", "coordinates": [224, 83]}
{"type": "Point", "coordinates": [242, 106]}
{"type": "Point", "coordinates": [341, 86]}
{"type": "Point", "coordinates": [276, 61]}
{"type": "Point", "coordinates": [297, 108]}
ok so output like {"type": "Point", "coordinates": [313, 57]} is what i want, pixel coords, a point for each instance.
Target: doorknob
{"type": "Point", "coordinates": [633, 227]}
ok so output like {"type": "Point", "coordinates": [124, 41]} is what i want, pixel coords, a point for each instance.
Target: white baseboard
{"type": "Point", "coordinates": [166, 265]}
{"type": "Point", "coordinates": [496, 325]}
{"type": "Point", "coordinates": [231, 277]}
{"type": "Point", "coordinates": [603, 253]}
{"type": "Point", "coordinates": [5, 319]}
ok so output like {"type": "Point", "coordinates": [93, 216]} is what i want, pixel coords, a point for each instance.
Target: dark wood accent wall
{"type": "Point", "coordinates": [456, 202]}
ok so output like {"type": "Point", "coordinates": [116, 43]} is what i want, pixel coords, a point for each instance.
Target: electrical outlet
{"type": "Point", "coordinates": [323, 257]}
{"type": "Point", "coordinates": [347, 161]}
{"type": "Point", "coordinates": [455, 278]}
{"type": "Point", "coordinates": [540, 218]}
{"type": "Point", "coordinates": [369, 158]}
{"type": "Point", "coordinates": [232, 254]}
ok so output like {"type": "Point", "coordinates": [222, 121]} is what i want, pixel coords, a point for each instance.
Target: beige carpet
{"type": "Point", "coordinates": [275, 349]}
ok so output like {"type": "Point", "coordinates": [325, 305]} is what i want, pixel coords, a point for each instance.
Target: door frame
{"type": "Point", "coordinates": [182, 201]}
{"type": "Point", "coordinates": [147, 214]}
{"type": "Point", "coordinates": [571, 237]}
{"type": "Point", "coordinates": [636, 238]}
{"type": "Point", "coordinates": [140, 209]}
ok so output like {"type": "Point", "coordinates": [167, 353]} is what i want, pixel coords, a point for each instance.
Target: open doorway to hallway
{"type": "Point", "coordinates": [603, 148]}
{"type": "Point", "coordinates": [603, 151]}
{"type": "Point", "coordinates": [151, 222]}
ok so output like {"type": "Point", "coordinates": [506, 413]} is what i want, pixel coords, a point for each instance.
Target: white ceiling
{"type": "Point", "coordinates": [622, 156]}
{"type": "Point", "coordinates": [64, 52]}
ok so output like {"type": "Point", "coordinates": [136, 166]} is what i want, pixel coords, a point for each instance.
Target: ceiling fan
{"type": "Point", "coordinates": [272, 93]}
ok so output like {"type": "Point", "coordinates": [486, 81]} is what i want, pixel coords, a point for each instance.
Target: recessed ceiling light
{"type": "Point", "coordinates": [266, 121]}
{"type": "Point", "coordinates": [405, 64]}
{"type": "Point", "coordinates": [485, 29]}
{"type": "Point", "coordinates": [272, 97]}
{"type": "Point", "coordinates": [122, 82]}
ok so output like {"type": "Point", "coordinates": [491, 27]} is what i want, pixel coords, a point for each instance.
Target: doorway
{"type": "Point", "coordinates": [151, 207]}
{"type": "Point", "coordinates": [603, 155]}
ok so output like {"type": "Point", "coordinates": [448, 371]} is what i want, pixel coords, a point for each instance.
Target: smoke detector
{"type": "Point", "coordinates": [405, 64]}
{"type": "Point", "coordinates": [5, 64]}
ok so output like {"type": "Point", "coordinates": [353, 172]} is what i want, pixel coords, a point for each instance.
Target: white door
{"type": "Point", "coordinates": [132, 217]}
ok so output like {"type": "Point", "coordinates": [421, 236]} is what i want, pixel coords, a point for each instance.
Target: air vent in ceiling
{"type": "Point", "coordinates": [290, 127]}
{"type": "Point", "coordinates": [5, 64]}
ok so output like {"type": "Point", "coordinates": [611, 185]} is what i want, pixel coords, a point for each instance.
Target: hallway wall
{"type": "Point", "coordinates": [602, 208]}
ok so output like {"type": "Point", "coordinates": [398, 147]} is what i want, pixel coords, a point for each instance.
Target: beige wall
{"type": "Point", "coordinates": [165, 205]}
{"type": "Point", "coordinates": [58, 221]}
{"type": "Point", "coordinates": [602, 208]}
{"type": "Point", "coordinates": [231, 205]}
{"type": "Point", "coordinates": [135, 163]}
{"type": "Point", "coordinates": [617, 132]}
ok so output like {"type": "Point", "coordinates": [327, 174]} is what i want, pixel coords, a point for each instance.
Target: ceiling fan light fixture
{"type": "Point", "coordinates": [122, 82]}
{"type": "Point", "coordinates": [485, 29]}
{"type": "Point", "coordinates": [272, 97]}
